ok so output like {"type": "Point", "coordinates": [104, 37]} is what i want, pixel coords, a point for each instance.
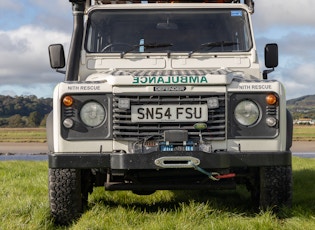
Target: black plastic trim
{"type": "Point", "coordinates": [82, 161]}
{"type": "Point", "coordinates": [146, 160]}
{"type": "Point", "coordinates": [76, 40]}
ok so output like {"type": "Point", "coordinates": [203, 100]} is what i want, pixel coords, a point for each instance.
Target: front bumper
{"type": "Point", "coordinates": [176, 159]}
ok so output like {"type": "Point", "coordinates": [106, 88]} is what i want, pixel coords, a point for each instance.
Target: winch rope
{"type": "Point", "coordinates": [215, 176]}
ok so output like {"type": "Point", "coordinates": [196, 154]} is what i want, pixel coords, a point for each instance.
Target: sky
{"type": "Point", "coordinates": [28, 27]}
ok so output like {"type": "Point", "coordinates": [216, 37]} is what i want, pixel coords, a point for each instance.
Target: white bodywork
{"type": "Point", "coordinates": [236, 72]}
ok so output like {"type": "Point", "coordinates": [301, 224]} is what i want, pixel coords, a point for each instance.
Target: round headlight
{"type": "Point", "coordinates": [92, 114]}
{"type": "Point", "coordinates": [247, 113]}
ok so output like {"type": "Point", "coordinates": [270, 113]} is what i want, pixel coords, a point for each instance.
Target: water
{"type": "Point", "coordinates": [23, 157]}
{"type": "Point", "coordinates": [304, 155]}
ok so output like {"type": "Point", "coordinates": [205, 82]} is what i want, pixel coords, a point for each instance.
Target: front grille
{"type": "Point", "coordinates": [124, 129]}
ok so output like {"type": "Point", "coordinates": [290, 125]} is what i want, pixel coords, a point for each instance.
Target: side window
{"type": "Point", "coordinates": [94, 39]}
{"type": "Point", "coordinates": [90, 46]}
{"type": "Point", "coordinates": [97, 37]}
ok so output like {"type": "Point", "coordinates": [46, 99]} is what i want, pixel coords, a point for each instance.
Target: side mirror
{"type": "Point", "coordinates": [271, 55]}
{"type": "Point", "coordinates": [56, 56]}
{"type": "Point", "coordinates": [271, 58]}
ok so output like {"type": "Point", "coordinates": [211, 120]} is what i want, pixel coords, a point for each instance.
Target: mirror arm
{"type": "Point", "coordinates": [266, 72]}
{"type": "Point", "coordinates": [61, 71]}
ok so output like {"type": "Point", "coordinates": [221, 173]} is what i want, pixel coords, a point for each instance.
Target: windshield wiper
{"type": "Point", "coordinates": [146, 46]}
{"type": "Point", "coordinates": [213, 45]}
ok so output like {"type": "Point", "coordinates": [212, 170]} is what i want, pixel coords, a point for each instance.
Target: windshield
{"type": "Point", "coordinates": [168, 30]}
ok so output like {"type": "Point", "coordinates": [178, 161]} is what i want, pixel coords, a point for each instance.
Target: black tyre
{"type": "Point", "coordinates": [273, 188]}
{"type": "Point", "coordinates": [67, 196]}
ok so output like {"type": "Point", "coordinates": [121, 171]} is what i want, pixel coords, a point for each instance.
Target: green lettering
{"type": "Point", "coordinates": [203, 79]}
{"type": "Point", "coordinates": [183, 79]}
{"type": "Point", "coordinates": [175, 80]}
{"type": "Point", "coordinates": [160, 80]}
{"type": "Point", "coordinates": [169, 79]}
{"type": "Point", "coordinates": [135, 80]}
{"type": "Point", "coordinates": [143, 80]}
{"type": "Point", "coordinates": [152, 80]}
{"type": "Point", "coordinates": [194, 79]}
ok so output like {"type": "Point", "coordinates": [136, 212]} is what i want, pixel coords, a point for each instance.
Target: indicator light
{"type": "Point", "coordinates": [67, 101]}
{"type": "Point", "coordinates": [271, 99]}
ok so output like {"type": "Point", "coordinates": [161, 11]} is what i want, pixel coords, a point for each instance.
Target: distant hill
{"type": "Point", "coordinates": [24, 111]}
{"type": "Point", "coordinates": [302, 107]}
{"type": "Point", "coordinates": [306, 102]}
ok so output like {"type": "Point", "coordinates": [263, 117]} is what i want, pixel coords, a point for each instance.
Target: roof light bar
{"type": "Point", "coordinates": [249, 3]}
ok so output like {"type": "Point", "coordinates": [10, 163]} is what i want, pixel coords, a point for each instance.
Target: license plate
{"type": "Point", "coordinates": [169, 113]}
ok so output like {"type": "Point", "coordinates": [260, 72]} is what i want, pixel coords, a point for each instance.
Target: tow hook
{"type": "Point", "coordinates": [215, 176]}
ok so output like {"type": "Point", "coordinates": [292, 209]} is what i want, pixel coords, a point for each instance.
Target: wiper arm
{"type": "Point", "coordinates": [213, 45]}
{"type": "Point", "coordinates": [146, 46]}
{"type": "Point", "coordinates": [156, 45]}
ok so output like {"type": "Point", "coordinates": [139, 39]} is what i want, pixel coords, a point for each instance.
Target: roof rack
{"type": "Point", "coordinates": [100, 2]}
{"type": "Point", "coordinates": [249, 3]}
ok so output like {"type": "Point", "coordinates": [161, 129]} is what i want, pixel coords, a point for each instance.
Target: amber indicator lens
{"type": "Point", "coordinates": [271, 99]}
{"type": "Point", "coordinates": [67, 101]}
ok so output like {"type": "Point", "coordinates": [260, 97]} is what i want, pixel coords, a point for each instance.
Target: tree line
{"type": "Point", "coordinates": [24, 111]}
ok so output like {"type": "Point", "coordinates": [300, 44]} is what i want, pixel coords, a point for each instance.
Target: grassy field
{"type": "Point", "coordinates": [24, 205]}
{"type": "Point", "coordinates": [23, 135]}
{"type": "Point", "coordinates": [304, 132]}
{"type": "Point", "coordinates": [300, 133]}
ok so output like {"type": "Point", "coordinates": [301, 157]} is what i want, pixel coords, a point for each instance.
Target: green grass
{"type": "Point", "coordinates": [23, 135]}
{"type": "Point", "coordinates": [24, 205]}
{"type": "Point", "coordinates": [304, 132]}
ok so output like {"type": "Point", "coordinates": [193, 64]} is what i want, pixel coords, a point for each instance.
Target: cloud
{"type": "Point", "coordinates": [297, 66]}
{"type": "Point", "coordinates": [27, 27]}
{"type": "Point", "coordinates": [291, 25]}
{"type": "Point", "coordinates": [51, 15]}
{"type": "Point", "coordinates": [11, 12]}
{"type": "Point", "coordinates": [24, 55]}
{"type": "Point", "coordinates": [302, 76]}
{"type": "Point", "coordinates": [298, 46]}
{"type": "Point", "coordinates": [56, 14]}
{"type": "Point", "coordinates": [10, 6]}
{"type": "Point", "coordinates": [297, 78]}
{"type": "Point", "coordinates": [281, 13]}
{"type": "Point", "coordinates": [293, 47]}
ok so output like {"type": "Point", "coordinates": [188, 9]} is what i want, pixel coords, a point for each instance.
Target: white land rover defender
{"type": "Point", "coordinates": [166, 95]}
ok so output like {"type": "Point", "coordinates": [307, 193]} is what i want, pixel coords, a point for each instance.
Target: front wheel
{"type": "Point", "coordinates": [273, 187]}
{"type": "Point", "coordinates": [68, 194]}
